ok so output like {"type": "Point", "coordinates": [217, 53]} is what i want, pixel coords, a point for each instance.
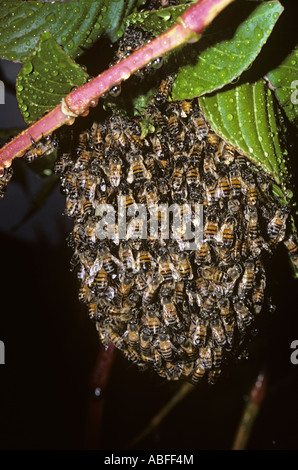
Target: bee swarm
{"type": "Point", "coordinates": [179, 312]}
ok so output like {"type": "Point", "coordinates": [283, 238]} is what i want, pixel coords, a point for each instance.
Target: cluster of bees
{"type": "Point", "coordinates": [180, 312]}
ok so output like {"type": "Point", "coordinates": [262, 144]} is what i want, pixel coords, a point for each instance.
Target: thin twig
{"type": "Point", "coordinates": [99, 381]}
{"type": "Point", "coordinates": [184, 390]}
{"type": "Point", "coordinates": [251, 412]}
{"type": "Point", "coordinates": [187, 29]}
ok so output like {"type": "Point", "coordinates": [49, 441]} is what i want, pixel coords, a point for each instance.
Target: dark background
{"type": "Point", "coordinates": [51, 345]}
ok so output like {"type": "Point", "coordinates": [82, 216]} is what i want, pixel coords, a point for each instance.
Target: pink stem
{"type": "Point", "coordinates": [187, 29]}
{"type": "Point", "coordinates": [99, 381]}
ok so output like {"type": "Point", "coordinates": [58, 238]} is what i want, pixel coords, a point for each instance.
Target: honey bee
{"type": "Point", "coordinates": [244, 316]}
{"type": "Point", "coordinates": [153, 321]}
{"type": "Point", "coordinates": [83, 140]}
{"type": "Point", "coordinates": [214, 274]}
{"type": "Point", "coordinates": [91, 238]}
{"type": "Point", "coordinates": [225, 308]}
{"type": "Point", "coordinates": [189, 349]}
{"type": "Point", "coordinates": [252, 195]}
{"type": "Point", "coordinates": [210, 229]}
{"type": "Point", "coordinates": [206, 356]}
{"type": "Point", "coordinates": [186, 108]}
{"type": "Point", "coordinates": [217, 331]}
{"type": "Point", "coordinates": [126, 256]}
{"type": "Point", "coordinates": [125, 286]}
{"type": "Point", "coordinates": [62, 163]}
{"type": "Point", "coordinates": [145, 345]}
{"type": "Point", "coordinates": [198, 373]}
{"type": "Point", "coordinates": [179, 141]}
{"type": "Point", "coordinates": [192, 175]}
{"type": "Point", "coordinates": [217, 357]}
{"type": "Point", "coordinates": [201, 127]}
{"type": "Point", "coordinates": [229, 325]}
{"type": "Point", "coordinates": [84, 293]}
{"type": "Point", "coordinates": [133, 335]}
{"type": "Point", "coordinates": [165, 346]}
{"type": "Point", "coordinates": [202, 287]}
{"type": "Point", "coordinates": [184, 267]}
{"type": "Point", "coordinates": [247, 281]}
{"type": "Point", "coordinates": [88, 209]}
{"type": "Point", "coordinates": [210, 173]}
{"type": "Point", "coordinates": [114, 337]}
{"type": "Point", "coordinates": [212, 196]}
{"type": "Point", "coordinates": [277, 225]}
{"type": "Point", "coordinates": [137, 170]}
{"type": "Point", "coordinates": [179, 292]}
{"type": "Point", "coordinates": [163, 91]}
{"type": "Point", "coordinates": [92, 310]}
{"type": "Point", "coordinates": [169, 312]}
{"type": "Point", "coordinates": [178, 174]}
{"type": "Point", "coordinates": [71, 207]}
{"type": "Point", "coordinates": [83, 161]}
{"type": "Point", "coordinates": [44, 147]}
{"type": "Point", "coordinates": [166, 268]}
{"type": "Point", "coordinates": [96, 135]}
{"type": "Point", "coordinates": [213, 139]}
{"type": "Point", "coordinates": [199, 332]}
{"type": "Point", "coordinates": [151, 194]}
{"type": "Point", "coordinates": [132, 355]}
{"type": "Point", "coordinates": [89, 188]}
{"type": "Point", "coordinates": [227, 232]}
{"type": "Point", "coordinates": [174, 125]}
{"type": "Point", "coordinates": [203, 254]}
{"type": "Point", "coordinates": [145, 262]}
{"type": "Point", "coordinates": [228, 154]}
{"type": "Point", "coordinates": [114, 170]}
{"type": "Point", "coordinates": [259, 294]}
{"type": "Point", "coordinates": [235, 183]}
{"type": "Point", "coordinates": [109, 261]}
{"type": "Point", "coordinates": [292, 248]}
{"type": "Point", "coordinates": [209, 304]}
{"type": "Point", "coordinates": [100, 281]}
{"type": "Point", "coordinates": [223, 187]}
{"type": "Point", "coordinates": [150, 291]}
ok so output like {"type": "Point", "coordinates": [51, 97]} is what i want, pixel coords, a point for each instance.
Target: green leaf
{"type": "Point", "coordinates": [155, 21]}
{"type": "Point", "coordinates": [75, 25]}
{"type": "Point", "coordinates": [246, 116]}
{"type": "Point", "coordinates": [284, 80]}
{"type": "Point", "coordinates": [45, 78]}
{"type": "Point", "coordinates": [223, 62]}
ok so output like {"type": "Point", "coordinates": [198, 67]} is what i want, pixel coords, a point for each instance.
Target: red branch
{"type": "Point", "coordinates": [187, 29]}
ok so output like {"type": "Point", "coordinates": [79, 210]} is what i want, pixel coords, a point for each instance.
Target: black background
{"type": "Point", "coordinates": [51, 346]}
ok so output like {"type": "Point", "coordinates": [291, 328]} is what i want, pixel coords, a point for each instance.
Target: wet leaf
{"type": "Point", "coordinates": [75, 25]}
{"type": "Point", "coordinates": [284, 80]}
{"type": "Point", "coordinates": [223, 62]}
{"type": "Point", "coordinates": [246, 116]}
{"type": "Point", "coordinates": [45, 78]}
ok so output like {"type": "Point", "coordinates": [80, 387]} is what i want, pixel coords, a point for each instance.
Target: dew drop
{"type": "Point", "coordinates": [247, 42]}
{"type": "Point", "coordinates": [76, 10]}
{"type": "Point", "coordinates": [70, 44]}
{"type": "Point", "coordinates": [164, 14]}
{"type": "Point", "coordinates": [157, 63]}
{"type": "Point", "coordinates": [223, 73]}
{"type": "Point", "coordinates": [115, 91]}
{"type": "Point", "coordinates": [293, 62]}
{"type": "Point", "coordinates": [230, 117]}
{"type": "Point", "coordinates": [51, 18]}
{"type": "Point", "coordinates": [258, 33]}
{"type": "Point", "coordinates": [212, 67]}
{"type": "Point", "coordinates": [27, 68]}
{"type": "Point", "coordinates": [275, 16]}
